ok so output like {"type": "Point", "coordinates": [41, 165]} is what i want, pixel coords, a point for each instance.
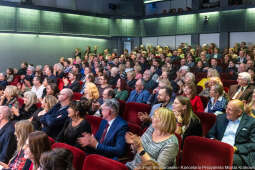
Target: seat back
{"type": "Point", "coordinates": [207, 121]}
{"type": "Point", "coordinates": [131, 110]}
{"type": "Point", "coordinates": [122, 107]}
{"type": "Point", "coordinates": [178, 157]}
{"type": "Point", "coordinates": [51, 140]}
{"type": "Point", "coordinates": [78, 155]}
{"type": "Point", "coordinates": [204, 100]}
{"type": "Point", "coordinates": [77, 96]}
{"type": "Point", "coordinates": [98, 162]}
{"type": "Point", "coordinates": [205, 153]}
{"type": "Point", "coordinates": [94, 123]}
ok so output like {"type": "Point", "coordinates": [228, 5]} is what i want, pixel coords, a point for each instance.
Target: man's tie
{"type": "Point", "coordinates": [240, 93]}
{"type": "Point", "coordinates": [104, 133]}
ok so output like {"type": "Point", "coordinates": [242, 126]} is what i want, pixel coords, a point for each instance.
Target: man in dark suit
{"type": "Point", "coordinates": [243, 90]}
{"type": "Point", "coordinates": [237, 129]}
{"type": "Point", "coordinates": [109, 140]}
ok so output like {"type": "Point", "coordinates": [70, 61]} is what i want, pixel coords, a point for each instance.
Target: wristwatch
{"type": "Point", "coordinates": [142, 153]}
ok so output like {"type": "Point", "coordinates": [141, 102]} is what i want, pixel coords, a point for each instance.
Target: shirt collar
{"type": "Point", "coordinates": [237, 120]}
{"type": "Point", "coordinates": [219, 99]}
{"type": "Point", "coordinates": [111, 121]}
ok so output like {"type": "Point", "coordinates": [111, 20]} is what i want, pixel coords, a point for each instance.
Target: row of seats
{"type": "Point", "coordinates": [209, 154]}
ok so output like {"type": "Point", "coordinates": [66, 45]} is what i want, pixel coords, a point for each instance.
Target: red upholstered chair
{"type": "Point", "coordinates": [51, 140]}
{"type": "Point", "coordinates": [94, 122]}
{"type": "Point", "coordinates": [207, 121]}
{"type": "Point", "coordinates": [178, 157]}
{"type": "Point", "coordinates": [60, 84]}
{"type": "Point", "coordinates": [205, 153]}
{"type": "Point", "coordinates": [78, 155]}
{"type": "Point", "coordinates": [15, 80]}
{"type": "Point", "coordinates": [131, 110]}
{"type": "Point", "coordinates": [77, 96]}
{"type": "Point", "coordinates": [98, 162]}
{"type": "Point", "coordinates": [228, 83]}
{"type": "Point", "coordinates": [204, 100]}
{"type": "Point", "coordinates": [122, 107]}
{"type": "Point", "coordinates": [38, 105]}
{"type": "Point", "coordinates": [21, 102]}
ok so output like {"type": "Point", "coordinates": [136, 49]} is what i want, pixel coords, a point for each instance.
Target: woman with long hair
{"type": "Point", "coordinates": [120, 92]}
{"type": "Point", "coordinates": [36, 144]}
{"type": "Point", "coordinates": [188, 124]}
{"type": "Point", "coordinates": [22, 129]}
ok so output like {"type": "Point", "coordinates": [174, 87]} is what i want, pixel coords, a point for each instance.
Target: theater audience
{"type": "Point", "coordinates": [9, 75]}
{"type": "Point", "coordinates": [188, 124]}
{"type": "Point", "coordinates": [149, 84]}
{"type": "Point", "coordinates": [57, 159]}
{"type": "Point", "coordinates": [54, 119]}
{"type": "Point", "coordinates": [114, 76]}
{"type": "Point", "coordinates": [8, 142]}
{"type": "Point", "coordinates": [218, 102]}
{"type": "Point", "coordinates": [71, 82]}
{"type": "Point", "coordinates": [109, 140]}
{"type": "Point", "coordinates": [158, 143]}
{"type": "Point", "coordinates": [3, 81]}
{"type": "Point", "coordinates": [237, 129]}
{"type": "Point", "coordinates": [38, 87]}
{"type": "Point", "coordinates": [36, 144]}
{"type": "Point", "coordinates": [22, 129]}
{"type": "Point", "coordinates": [76, 124]}
{"type": "Point", "coordinates": [131, 78]}
{"type": "Point", "coordinates": [27, 109]}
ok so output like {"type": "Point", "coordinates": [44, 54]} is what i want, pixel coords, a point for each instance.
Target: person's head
{"type": "Point", "coordinates": [49, 70]}
{"type": "Point", "coordinates": [22, 129]}
{"type": "Point", "coordinates": [250, 63]}
{"type": "Point", "coordinates": [241, 53]}
{"type": "Point", "coordinates": [104, 79]}
{"type": "Point", "coordinates": [147, 75]}
{"type": "Point", "coordinates": [164, 94]}
{"type": "Point", "coordinates": [5, 113]}
{"type": "Point", "coordinates": [2, 77]}
{"type": "Point", "coordinates": [183, 62]}
{"type": "Point", "coordinates": [164, 120]}
{"type": "Point", "coordinates": [9, 71]}
{"type": "Point", "coordinates": [91, 91]}
{"type": "Point", "coordinates": [57, 159]}
{"type": "Point", "coordinates": [76, 68]}
{"type": "Point", "coordinates": [121, 84]}
{"type": "Point", "coordinates": [65, 94]}
{"type": "Point", "coordinates": [251, 72]}
{"type": "Point", "coordinates": [30, 70]}
{"type": "Point", "coordinates": [90, 78]}
{"type": "Point", "coordinates": [108, 93]}
{"type": "Point", "coordinates": [29, 99]}
{"type": "Point", "coordinates": [189, 78]}
{"type": "Point", "coordinates": [59, 67]}
{"type": "Point", "coordinates": [243, 79]}
{"type": "Point", "coordinates": [164, 75]}
{"type": "Point", "coordinates": [37, 81]}
{"type": "Point", "coordinates": [234, 109]}
{"type": "Point", "coordinates": [138, 69]}
{"type": "Point", "coordinates": [216, 91]}
{"type": "Point", "coordinates": [11, 91]}
{"type": "Point", "coordinates": [214, 62]}
{"type": "Point", "coordinates": [52, 89]}
{"type": "Point", "coordinates": [139, 85]}
{"type": "Point", "coordinates": [114, 71]}
{"type": "Point", "coordinates": [28, 80]}
{"type": "Point", "coordinates": [212, 73]}
{"type": "Point", "coordinates": [213, 81]}
{"type": "Point", "coordinates": [130, 75]}
{"type": "Point", "coordinates": [78, 109]}
{"type": "Point", "coordinates": [48, 102]}
{"type": "Point", "coordinates": [190, 90]}
{"type": "Point", "coordinates": [72, 76]}
{"type": "Point", "coordinates": [110, 109]}
{"type": "Point", "coordinates": [183, 70]}
{"type": "Point", "coordinates": [242, 68]}
{"type": "Point", "coordinates": [36, 144]}
{"type": "Point", "coordinates": [182, 104]}
{"type": "Point", "coordinates": [199, 64]}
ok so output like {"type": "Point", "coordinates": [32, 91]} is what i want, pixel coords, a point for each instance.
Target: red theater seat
{"type": "Point", "coordinates": [78, 155]}
{"type": "Point", "coordinates": [203, 153]}
{"type": "Point", "coordinates": [207, 121]}
{"type": "Point", "coordinates": [94, 122]}
{"type": "Point", "coordinates": [98, 162]}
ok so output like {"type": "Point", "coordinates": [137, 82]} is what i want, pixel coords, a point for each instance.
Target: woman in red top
{"type": "Point", "coordinates": [190, 91]}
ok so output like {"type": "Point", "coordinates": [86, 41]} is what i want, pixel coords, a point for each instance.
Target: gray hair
{"type": "Point", "coordinates": [68, 92]}
{"type": "Point", "coordinates": [246, 76]}
{"type": "Point", "coordinates": [113, 104]}
{"type": "Point", "coordinates": [6, 112]}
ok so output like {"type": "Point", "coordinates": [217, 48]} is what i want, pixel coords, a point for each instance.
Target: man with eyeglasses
{"type": "Point", "coordinates": [237, 129]}
{"type": "Point", "coordinates": [109, 140]}
{"type": "Point", "coordinates": [54, 119]}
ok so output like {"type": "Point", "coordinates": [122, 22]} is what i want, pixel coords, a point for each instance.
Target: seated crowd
{"type": "Point", "coordinates": [39, 103]}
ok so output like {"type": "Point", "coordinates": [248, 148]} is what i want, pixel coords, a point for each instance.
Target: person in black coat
{"type": "Point", "coordinates": [72, 83]}
{"type": "Point", "coordinates": [76, 124]}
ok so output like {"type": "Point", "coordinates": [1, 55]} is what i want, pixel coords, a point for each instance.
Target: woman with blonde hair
{"type": "Point", "coordinates": [22, 129]}
{"type": "Point", "coordinates": [91, 91]}
{"type": "Point", "coordinates": [210, 73]}
{"type": "Point", "coordinates": [211, 81]}
{"type": "Point", "coordinates": [48, 102]}
{"type": "Point", "coordinates": [158, 143]}
{"type": "Point", "coordinates": [10, 97]}
{"type": "Point", "coordinates": [188, 124]}
{"type": "Point", "coordinates": [28, 108]}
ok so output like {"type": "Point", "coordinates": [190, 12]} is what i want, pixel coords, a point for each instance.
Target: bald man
{"type": "Point", "coordinates": [7, 138]}
{"type": "Point", "coordinates": [237, 129]}
{"type": "Point", "coordinates": [53, 121]}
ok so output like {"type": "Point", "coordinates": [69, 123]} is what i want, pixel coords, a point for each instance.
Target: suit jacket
{"type": "Point", "coordinates": [244, 139]}
{"type": "Point", "coordinates": [247, 94]}
{"type": "Point", "coordinates": [141, 97]}
{"type": "Point", "coordinates": [114, 144]}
